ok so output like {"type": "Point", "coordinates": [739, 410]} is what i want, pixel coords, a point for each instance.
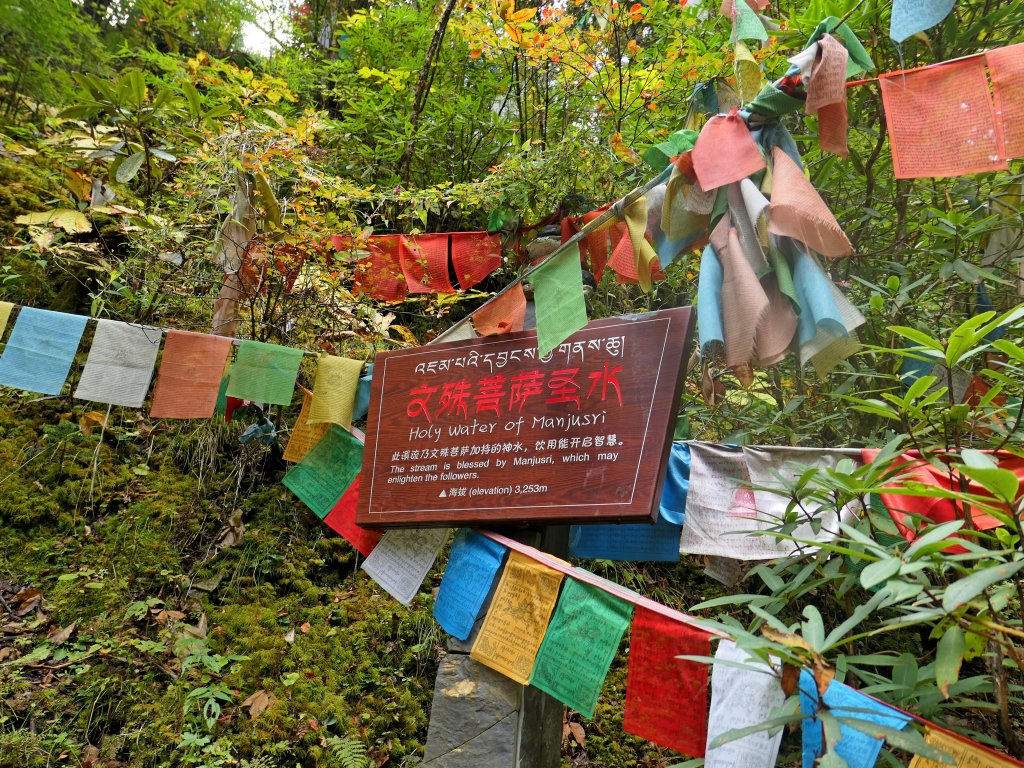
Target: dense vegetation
{"type": "Point", "coordinates": [166, 602]}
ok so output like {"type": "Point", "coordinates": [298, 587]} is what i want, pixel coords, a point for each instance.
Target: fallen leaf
{"type": "Point", "coordinates": [62, 635]}
{"type": "Point", "coordinates": [304, 629]}
{"type": "Point", "coordinates": [578, 734]}
{"type": "Point", "coordinates": [26, 601]}
{"type": "Point", "coordinates": [289, 636]}
{"type": "Point", "coordinates": [90, 420]}
{"type": "Point", "coordinates": [258, 703]}
{"type": "Point", "coordinates": [71, 221]}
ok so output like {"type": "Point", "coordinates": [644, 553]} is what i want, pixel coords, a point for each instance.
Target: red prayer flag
{"type": "Point", "coordinates": [425, 263]}
{"type": "Point", "coordinates": [725, 152]}
{"type": "Point", "coordinates": [475, 255]}
{"type": "Point", "coordinates": [342, 520]}
{"type": "Point", "coordinates": [666, 697]}
{"type": "Point", "coordinates": [191, 371]}
{"type": "Point", "coordinates": [379, 275]}
{"type": "Point", "coordinates": [941, 121]}
{"type": "Point", "coordinates": [505, 314]}
{"type": "Point", "coordinates": [1006, 66]}
{"type": "Point", "coordinates": [623, 261]}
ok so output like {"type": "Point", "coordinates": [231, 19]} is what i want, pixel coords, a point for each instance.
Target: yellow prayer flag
{"type": "Point", "coordinates": [334, 390]}
{"type": "Point", "coordinates": [5, 314]}
{"type": "Point", "coordinates": [643, 251]}
{"type": "Point", "coordinates": [967, 754]}
{"type": "Point", "coordinates": [303, 435]}
{"type": "Point", "coordinates": [518, 617]}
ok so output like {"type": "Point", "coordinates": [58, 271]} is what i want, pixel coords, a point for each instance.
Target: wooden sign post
{"type": "Point", "coordinates": [487, 432]}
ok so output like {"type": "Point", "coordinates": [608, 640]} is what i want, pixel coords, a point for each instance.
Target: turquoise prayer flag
{"type": "Point", "coordinates": [473, 565]}
{"type": "Point", "coordinates": [40, 350]}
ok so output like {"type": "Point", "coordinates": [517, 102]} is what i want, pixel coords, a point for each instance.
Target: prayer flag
{"type": "Point", "coordinates": [506, 314]}
{"type": "Point", "coordinates": [326, 471]}
{"type": "Point", "coordinates": [190, 375]}
{"type": "Point", "coordinates": [826, 95]}
{"type": "Point", "coordinates": [746, 24]}
{"type": "Point", "coordinates": [1006, 67]}
{"type": "Point", "coordinates": [475, 255]}
{"type": "Point", "coordinates": [514, 626]}
{"type": "Point", "coordinates": [725, 151]}
{"type": "Point", "coordinates": [857, 748]}
{"type": "Point", "coordinates": [342, 520]}
{"type": "Point", "coordinates": [558, 296]}
{"type": "Point", "coordinates": [303, 435]}
{"type": "Point", "coordinates": [379, 274]}
{"type": "Point", "coordinates": [636, 542]}
{"type": "Point", "coordinates": [473, 564]}
{"type": "Point", "coordinates": [5, 314]}
{"type": "Point", "coordinates": [941, 121]}
{"type": "Point", "coordinates": [634, 257]}
{"type": "Point", "coordinates": [912, 16]}
{"type": "Point", "coordinates": [264, 373]}
{"type": "Point", "coordinates": [580, 644]}
{"type": "Point", "coordinates": [798, 211]}
{"type": "Point", "coordinates": [667, 697]}
{"type": "Point", "coordinates": [363, 393]}
{"type": "Point", "coordinates": [120, 364]}
{"type": "Point", "coordinates": [402, 558]}
{"type": "Point", "coordinates": [334, 390]}
{"type": "Point", "coordinates": [965, 753]}
{"type": "Point", "coordinates": [740, 698]}
{"type": "Point", "coordinates": [858, 60]}
{"type": "Point", "coordinates": [747, 71]}
{"type": "Point", "coordinates": [425, 263]}
{"type": "Point", "coordinates": [40, 351]}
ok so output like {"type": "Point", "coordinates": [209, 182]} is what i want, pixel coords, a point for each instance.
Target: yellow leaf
{"type": "Point", "coordinates": [514, 34]}
{"type": "Point", "coordinates": [71, 221]}
{"type": "Point", "coordinates": [524, 14]}
{"type": "Point", "coordinates": [90, 420]}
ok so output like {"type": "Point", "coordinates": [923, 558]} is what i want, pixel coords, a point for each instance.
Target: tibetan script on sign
{"type": "Point", "coordinates": [486, 430]}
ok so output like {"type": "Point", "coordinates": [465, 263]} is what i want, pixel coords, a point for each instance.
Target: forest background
{"type": "Point", "coordinates": [166, 602]}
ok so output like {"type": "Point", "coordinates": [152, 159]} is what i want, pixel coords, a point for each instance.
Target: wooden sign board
{"type": "Point", "coordinates": [486, 432]}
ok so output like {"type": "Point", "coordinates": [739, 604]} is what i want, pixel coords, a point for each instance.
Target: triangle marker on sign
{"type": "Point", "coordinates": [442, 495]}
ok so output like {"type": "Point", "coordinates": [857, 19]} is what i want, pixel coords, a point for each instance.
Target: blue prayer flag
{"type": "Point", "coordinates": [363, 394]}
{"type": "Point", "coordinates": [912, 16]}
{"type": "Point", "coordinates": [40, 350]}
{"type": "Point", "coordinates": [472, 566]}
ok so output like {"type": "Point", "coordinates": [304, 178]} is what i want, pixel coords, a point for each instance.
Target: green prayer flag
{"type": "Point", "coordinates": [558, 296]}
{"type": "Point", "coordinates": [582, 639]}
{"type": "Point", "coordinates": [264, 373]}
{"type": "Point", "coordinates": [772, 101]}
{"type": "Point", "coordinates": [859, 60]}
{"type": "Point", "coordinates": [658, 156]}
{"type": "Point", "coordinates": [783, 276]}
{"type": "Point", "coordinates": [747, 25]}
{"type": "Point", "coordinates": [326, 471]}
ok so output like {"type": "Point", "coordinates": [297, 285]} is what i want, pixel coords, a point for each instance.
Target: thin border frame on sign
{"type": "Point", "coordinates": [539, 512]}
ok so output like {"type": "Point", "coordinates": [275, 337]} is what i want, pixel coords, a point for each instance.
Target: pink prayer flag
{"type": "Point", "coordinates": [425, 263]}
{"type": "Point", "coordinates": [826, 95]}
{"type": "Point", "coordinates": [506, 314]}
{"type": "Point", "coordinates": [379, 275]}
{"type": "Point", "coordinates": [475, 255]}
{"type": "Point", "coordinates": [798, 211]}
{"type": "Point", "coordinates": [666, 697]}
{"type": "Point", "coordinates": [342, 520]}
{"type": "Point", "coordinates": [190, 374]}
{"type": "Point", "coordinates": [725, 152]}
{"type": "Point", "coordinates": [1006, 67]}
{"type": "Point", "coordinates": [941, 121]}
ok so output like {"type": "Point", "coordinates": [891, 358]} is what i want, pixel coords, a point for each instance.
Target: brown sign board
{"type": "Point", "coordinates": [485, 431]}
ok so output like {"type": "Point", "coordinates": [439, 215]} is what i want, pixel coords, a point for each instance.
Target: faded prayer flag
{"type": "Point", "coordinates": [667, 697]}
{"type": "Point", "coordinates": [472, 567]}
{"type": "Point", "coordinates": [402, 559]}
{"type": "Point", "coordinates": [514, 626]}
{"type": "Point", "coordinates": [857, 748]}
{"type": "Point", "coordinates": [120, 364]}
{"type": "Point", "coordinates": [558, 295]}
{"type": "Point", "coordinates": [912, 16]}
{"type": "Point", "coordinates": [580, 644]}
{"type": "Point", "coordinates": [334, 390]}
{"type": "Point", "coordinates": [342, 520]}
{"type": "Point", "coordinates": [303, 435]}
{"type": "Point", "coordinates": [40, 351]}
{"type": "Point", "coordinates": [326, 471]}
{"type": "Point", "coordinates": [190, 375]}
{"type": "Point", "coordinates": [264, 373]}
{"type": "Point", "coordinates": [506, 314]}
{"type": "Point", "coordinates": [1006, 67]}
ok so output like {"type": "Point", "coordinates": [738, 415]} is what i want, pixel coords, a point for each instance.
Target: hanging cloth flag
{"type": "Point", "coordinates": [5, 314]}
{"type": "Point", "coordinates": [475, 255]}
{"type": "Point", "coordinates": [379, 275]}
{"type": "Point", "coordinates": [964, 753]}
{"type": "Point", "coordinates": [941, 121]}
{"type": "Point", "coordinates": [746, 24]}
{"type": "Point", "coordinates": [362, 404]}
{"type": "Point", "coordinates": [740, 698]}
{"type": "Point", "coordinates": [558, 297]}
{"type": "Point", "coordinates": [667, 697]}
{"type": "Point", "coordinates": [303, 435]}
{"type": "Point", "coordinates": [334, 390]}
{"type": "Point", "coordinates": [264, 373]}
{"type": "Point", "coordinates": [342, 520]}
{"type": "Point", "coordinates": [1006, 67]}
{"type": "Point", "coordinates": [634, 257]}
{"type": "Point", "coordinates": [859, 61]}
{"type": "Point", "coordinates": [798, 211]}
{"type": "Point", "coordinates": [710, 279]}
{"type": "Point", "coordinates": [472, 568]}
{"type": "Point", "coordinates": [748, 213]}
{"type": "Point", "coordinates": [725, 151]}
{"type": "Point", "coordinates": [747, 71]}
{"type": "Point", "coordinates": [826, 95]}
{"type": "Point", "coordinates": [402, 558]}
{"type": "Point", "coordinates": [425, 263]}
{"type": "Point", "coordinates": [120, 364]}
{"type": "Point", "coordinates": [580, 644]}
{"type": "Point", "coordinates": [40, 351]}
{"type": "Point", "coordinates": [912, 16]}
{"type": "Point", "coordinates": [506, 314]}
{"type": "Point", "coordinates": [857, 748]}
{"type": "Point", "coordinates": [191, 371]}
{"type": "Point", "coordinates": [514, 626]}
{"type": "Point", "coordinates": [326, 471]}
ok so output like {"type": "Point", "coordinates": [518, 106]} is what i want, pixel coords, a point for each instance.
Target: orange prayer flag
{"type": "Point", "coordinates": [303, 435]}
{"type": "Point", "coordinates": [506, 314]}
{"type": "Point", "coordinates": [190, 375]}
{"type": "Point", "coordinates": [379, 275]}
{"type": "Point", "coordinates": [1006, 66]}
{"type": "Point", "coordinates": [798, 211]}
{"type": "Point", "coordinates": [941, 121]}
{"type": "Point", "coordinates": [475, 255]}
{"type": "Point", "coordinates": [725, 152]}
{"type": "Point", "coordinates": [425, 263]}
